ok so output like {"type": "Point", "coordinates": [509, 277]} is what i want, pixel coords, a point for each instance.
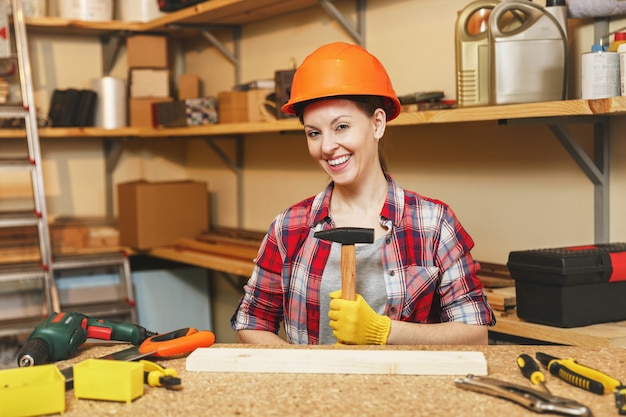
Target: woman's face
{"type": "Point", "coordinates": [342, 139]}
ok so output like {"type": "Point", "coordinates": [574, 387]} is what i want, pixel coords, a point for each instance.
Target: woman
{"type": "Point", "coordinates": [416, 283]}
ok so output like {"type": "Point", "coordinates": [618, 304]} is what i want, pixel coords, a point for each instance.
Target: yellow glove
{"type": "Point", "coordinates": [355, 323]}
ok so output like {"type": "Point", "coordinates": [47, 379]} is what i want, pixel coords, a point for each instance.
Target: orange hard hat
{"type": "Point", "coordinates": [341, 69]}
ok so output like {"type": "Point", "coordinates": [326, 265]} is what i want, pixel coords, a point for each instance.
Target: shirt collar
{"type": "Point", "coordinates": [393, 209]}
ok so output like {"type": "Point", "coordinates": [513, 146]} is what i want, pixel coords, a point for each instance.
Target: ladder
{"type": "Point", "coordinates": [37, 278]}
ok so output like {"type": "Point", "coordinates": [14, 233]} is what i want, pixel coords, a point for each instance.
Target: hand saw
{"type": "Point", "coordinates": [164, 345]}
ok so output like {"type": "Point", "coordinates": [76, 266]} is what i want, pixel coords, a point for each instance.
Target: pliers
{"type": "Point", "coordinates": [532, 399]}
{"type": "Point", "coordinates": [157, 376]}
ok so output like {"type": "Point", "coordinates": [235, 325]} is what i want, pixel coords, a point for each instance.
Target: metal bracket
{"type": "Point", "coordinates": [597, 170]}
{"type": "Point", "coordinates": [112, 152]}
{"type": "Point", "coordinates": [205, 30]}
{"type": "Point", "coordinates": [111, 46]}
{"type": "Point", "coordinates": [596, 167]}
{"type": "Point", "coordinates": [356, 33]}
{"type": "Point", "coordinates": [236, 166]}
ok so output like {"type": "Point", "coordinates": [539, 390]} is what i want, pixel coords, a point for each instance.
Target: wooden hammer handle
{"type": "Point", "coordinates": [348, 272]}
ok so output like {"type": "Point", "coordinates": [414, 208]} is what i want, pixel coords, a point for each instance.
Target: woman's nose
{"type": "Point", "coordinates": [329, 144]}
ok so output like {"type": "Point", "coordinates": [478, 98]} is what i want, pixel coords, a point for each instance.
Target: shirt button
{"type": "Point", "coordinates": [388, 241]}
{"type": "Point", "coordinates": [393, 310]}
{"type": "Point", "coordinates": [392, 273]}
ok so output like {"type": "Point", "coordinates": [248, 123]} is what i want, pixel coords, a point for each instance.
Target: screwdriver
{"type": "Point", "coordinates": [531, 370]}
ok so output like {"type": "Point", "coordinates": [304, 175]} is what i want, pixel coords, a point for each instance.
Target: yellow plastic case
{"type": "Point", "coordinates": [32, 391]}
{"type": "Point", "coordinates": [101, 379]}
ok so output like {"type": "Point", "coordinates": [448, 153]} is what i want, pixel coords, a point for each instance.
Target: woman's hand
{"type": "Point", "coordinates": [355, 323]}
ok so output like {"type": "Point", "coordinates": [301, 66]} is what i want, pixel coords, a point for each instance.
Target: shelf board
{"type": "Point", "coordinates": [63, 26]}
{"type": "Point", "coordinates": [566, 108]}
{"type": "Point", "coordinates": [228, 12]}
{"type": "Point", "coordinates": [213, 12]}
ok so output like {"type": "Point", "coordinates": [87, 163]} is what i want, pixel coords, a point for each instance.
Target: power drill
{"type": "Point", "coordinates": [60, 335]}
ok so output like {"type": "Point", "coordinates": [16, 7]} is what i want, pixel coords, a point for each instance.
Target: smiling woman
{"type": "Point", "coordinates": [416, 283]}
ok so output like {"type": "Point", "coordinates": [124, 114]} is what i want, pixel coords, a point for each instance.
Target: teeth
{"type": "Point", "coordinates": [338, 161]}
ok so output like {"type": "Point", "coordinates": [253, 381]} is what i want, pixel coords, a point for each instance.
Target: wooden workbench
{"type": "Point", "coordinates": [249, 394]}
{"type": "Point", "coordinates": [605, 334]}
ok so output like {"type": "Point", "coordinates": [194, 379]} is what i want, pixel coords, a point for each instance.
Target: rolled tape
{"type": "Point", "coordinates": [111, 102]}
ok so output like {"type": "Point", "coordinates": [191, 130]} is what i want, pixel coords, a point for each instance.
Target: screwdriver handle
{"type": "Point", "coordinates": [582, 377]}
{"type": "Point", "coordinates": [530, 369]}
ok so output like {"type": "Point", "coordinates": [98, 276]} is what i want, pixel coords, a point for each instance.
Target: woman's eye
{"type": "Point", "coordinates": [342, 126]}
{"type": "Point", "coordinates": [312, 133]}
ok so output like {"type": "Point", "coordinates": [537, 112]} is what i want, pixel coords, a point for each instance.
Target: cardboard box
{"type": "Point", "coordinates": [171, 114]}
{"type": "Point", "coordinates": [188, 112]}
{"type": "Point", "coordinates": [242, 106]}
{"type": "Point", "coordinates": [283, 79]}
{"type": "Point", "coordinates": [572, 286]}
{"type": "Point", "coordinates": [146, 51]}
{"type": "Point", "coordinates": [188, 86]}
{"type": "Point", "coordinates": [149, 82]}
{"type": "Point", "coordinates": [154, 214]}
{"type": "Point", "coordinates": [201, 111]}
{"type": "Point", "coordinates": [141, 111]}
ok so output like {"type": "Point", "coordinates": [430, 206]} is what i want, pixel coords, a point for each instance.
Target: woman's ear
{"type": "Point", "coordinates": [380, 123]}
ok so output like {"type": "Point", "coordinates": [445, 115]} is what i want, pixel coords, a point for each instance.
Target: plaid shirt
{"type": "Point", "coordinates": [430, 275]}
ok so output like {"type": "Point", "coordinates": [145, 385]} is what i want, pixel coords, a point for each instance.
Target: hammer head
{"type": "Point", "coordinates": [347, 235]}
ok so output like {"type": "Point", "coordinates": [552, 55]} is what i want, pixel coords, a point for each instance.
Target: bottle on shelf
{"type": "Point", "coordinates": [558, 9]}
{"type": "Point", "coordinates": [618, 39]}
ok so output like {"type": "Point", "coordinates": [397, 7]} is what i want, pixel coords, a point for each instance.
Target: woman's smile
{"type": "Point", "coordinates": [338, 162]}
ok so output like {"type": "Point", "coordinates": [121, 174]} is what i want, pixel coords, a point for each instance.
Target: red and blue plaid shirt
{"type": "Point", "coordinates": [430, 275]}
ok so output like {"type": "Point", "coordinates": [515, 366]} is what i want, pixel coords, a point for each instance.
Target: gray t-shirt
{"type": "Point", "coordinates": [370, 282]}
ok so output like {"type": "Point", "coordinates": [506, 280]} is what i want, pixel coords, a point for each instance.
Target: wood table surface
{"type": "Point", "coordinates": [272, 394]}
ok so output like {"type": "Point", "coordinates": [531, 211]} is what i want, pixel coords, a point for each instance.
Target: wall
{"type": "Point", "coordinates": [513, 187]}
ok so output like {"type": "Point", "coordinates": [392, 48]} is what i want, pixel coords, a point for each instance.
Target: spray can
{"type": "Point", "coordinates": [527, 54]}
{"type": "Point", "coordinates": [472, 53]}
{"type": "Point", "coordinates": [600, 74]}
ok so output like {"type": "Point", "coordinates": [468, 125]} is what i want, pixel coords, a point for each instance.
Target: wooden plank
{"type": "Point", "coordinates": [595, 335]}
{"type": "Point", "coordinates": [608, 106]}
{"type": "Point", "coordinates": [228, 251]}
{"type": "Point", "coordinates": [228, 12]}
{"type": "Point", "coordinates": [613, 105]}
{"type": "Point", "coordinates": [205, 260]}
{"type": "Point", "coordinates": [337, 361]}
{"type": "Point", "coordinates": [501, 298]}
{"type": "Point", "coordinates": [495, 275]}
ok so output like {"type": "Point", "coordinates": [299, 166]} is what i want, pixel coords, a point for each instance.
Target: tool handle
{"type": "Point", "coordinates": [121, 332]}
{"type": "Point", "coordinates": [348, 272]}
{"type": "Point", "coordinates": [530, 369]}
{"type": "Point", "coordinates": [580, 376]}
{"type": "Point", "coordinates": [177, 342]}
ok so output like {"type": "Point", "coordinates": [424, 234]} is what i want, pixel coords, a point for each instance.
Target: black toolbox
{"type": "Point", "coordinates": [570, 286]}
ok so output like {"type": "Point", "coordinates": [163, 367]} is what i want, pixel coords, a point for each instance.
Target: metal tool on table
{"type": "Point", "coordinates": [59, 336]}
{"type": "Point", "coordinates": [531, 370]}
{"type": "Point", "coordinates": [165, 345]}
{"type": "Point", "coordinates": [584, 377]}
{"type": "Point", "coordinates": [348, 237]}
{"type": "Point", "coordinates": [530, 398]}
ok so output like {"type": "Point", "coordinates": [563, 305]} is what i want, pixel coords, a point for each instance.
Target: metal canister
{"type": "Point", "coordinates": [600, 74]}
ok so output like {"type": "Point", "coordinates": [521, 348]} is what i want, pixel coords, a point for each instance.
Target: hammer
{"type": "Point", "coordinates": [348, 237]}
